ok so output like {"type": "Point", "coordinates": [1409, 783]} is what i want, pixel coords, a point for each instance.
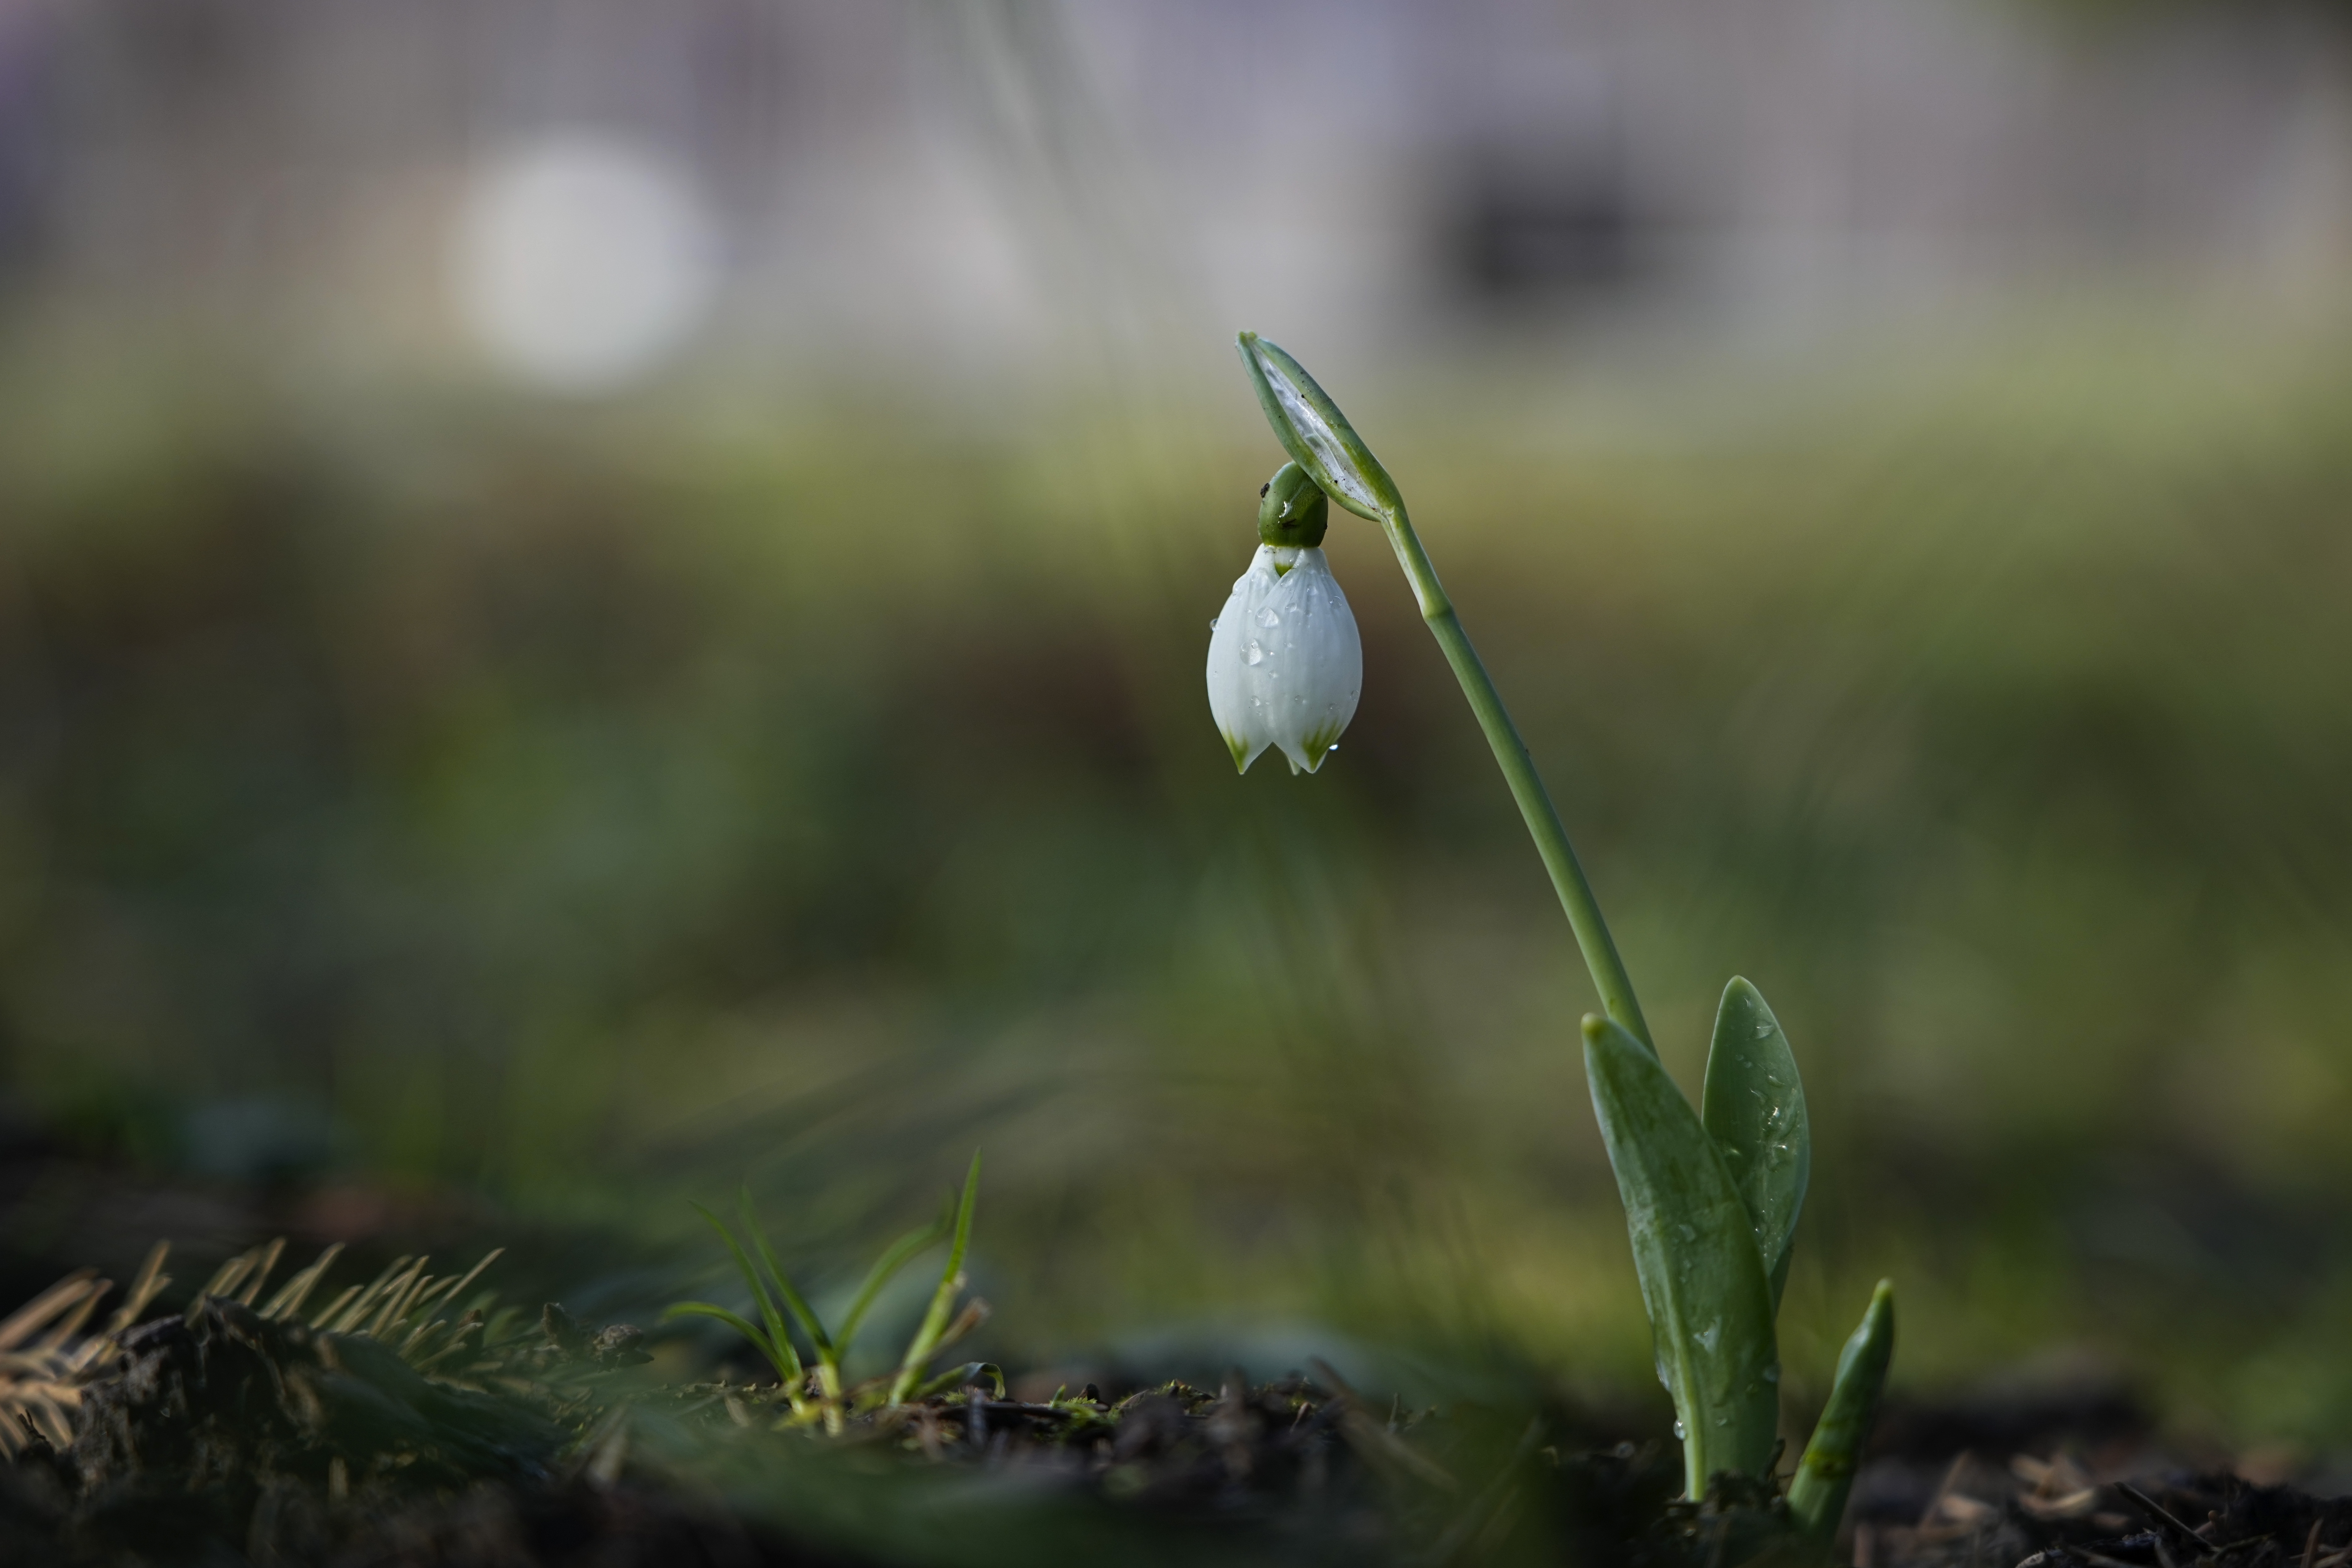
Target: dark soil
{"type": "Point", "coordinates": [221, 1438]}
{"type": "Point", "coordinates": [224, 1438]}
{"type": "Point", "coordinates": [2069, 1480]}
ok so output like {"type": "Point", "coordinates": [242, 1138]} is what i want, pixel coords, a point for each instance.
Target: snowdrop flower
{"type": "Point", "coordinates": [1286, 665]}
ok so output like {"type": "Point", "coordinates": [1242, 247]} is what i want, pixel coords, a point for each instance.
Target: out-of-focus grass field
{"type": "Point", "coordinates": [596, 808]}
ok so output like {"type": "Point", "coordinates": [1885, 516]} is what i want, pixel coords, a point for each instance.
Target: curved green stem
{"type": "Point", "coordinates": [1321, 440]}
{"type": "Point", "coordinates": [1600, 949]}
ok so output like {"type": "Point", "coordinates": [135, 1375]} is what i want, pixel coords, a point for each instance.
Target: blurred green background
{"type": "Point", "coordinates": [789, 765]}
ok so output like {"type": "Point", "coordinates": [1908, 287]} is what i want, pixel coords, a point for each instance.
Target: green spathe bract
{"type": "Point", "coordinates": [1712, 1197]}
{"type": "Point", "coordinates": [1314, 433]}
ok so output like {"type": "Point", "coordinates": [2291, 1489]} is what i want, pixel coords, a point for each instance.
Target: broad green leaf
{"type": "Point", "coordinates": [1710, 1307]}
{"type": "Point", "coordinates": [1817, 1492]}
{"type": "Point", "coordinates": [1754, 1108]}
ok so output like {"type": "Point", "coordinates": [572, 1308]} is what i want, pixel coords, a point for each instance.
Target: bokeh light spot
{"type": "Point", "coordinates": [582, 261]}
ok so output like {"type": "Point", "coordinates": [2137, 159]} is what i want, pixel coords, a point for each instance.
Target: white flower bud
{"type": "Point", "coordinates": [1286, 665]}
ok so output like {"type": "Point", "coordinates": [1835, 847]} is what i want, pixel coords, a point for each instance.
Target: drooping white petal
{"type": "Point", "coordinates": [1233, 702]}
{"type": "Point", "coordinates": [1285, 664]}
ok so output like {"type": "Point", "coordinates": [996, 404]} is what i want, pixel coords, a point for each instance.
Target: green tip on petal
{"type": "Point", "coordinates": [1240, 749]}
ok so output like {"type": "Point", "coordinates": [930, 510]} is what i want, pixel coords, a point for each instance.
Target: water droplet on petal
{"type": "Point", "coordinates": [1213, 620]}
{"type": "Point", "coordinates": [1678, 1430]}
{"type": "Point", "coordinates": [1268, 617]}
{"type": "Point", "coordinates": [1254, 653]}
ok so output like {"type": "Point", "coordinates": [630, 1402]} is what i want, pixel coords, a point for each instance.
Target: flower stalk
{"type": "Point", "coordinates": [1319, 439]}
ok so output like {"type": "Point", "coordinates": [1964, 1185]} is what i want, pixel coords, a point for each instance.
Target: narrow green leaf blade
{"type": "Point", "coordinates": [794, 1302]}
{"type": "Point", "coordinates": [969, 1373]}
{"type": "Point", "coordinates": [1817, 1493]}
{"type": "Point", "coordinates": [788, 1371]}
{"type": "Point", "coordinates": [1314, 433]}
{"type": "Point", "coordinates": [1710, 1307]}
{"type": "Point", "coordinates": [926, 1343]}
{"type": "Point", "coordinates": [778, 1335]}
{"type": "Point", "coordinates": [1754, 1108]}
{"type": "Point", "coordinates": [884, 1270]}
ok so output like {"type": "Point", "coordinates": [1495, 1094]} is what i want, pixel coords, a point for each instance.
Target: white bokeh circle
{"type": "Point", "coordinates": [581, 260]}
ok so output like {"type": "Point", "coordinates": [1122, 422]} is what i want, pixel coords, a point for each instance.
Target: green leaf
{"type": "Point", "coordinates": [778, 1335]}
{"type": "Point", "coordinates": [884, 1268]}
{"type": "Point", "coordinates": [955, 1378]}
{"type": "Point", "coordinates": [789, 1372]}
{"type": "Point", "coordinates": [926, 1343]}
{"type": "Point", "coordinates": [793, 1302]}
{"type": "Point", "coordinates": [1710, 1307]}
{"type": "Point", "coordinates": [1754, 1108]}
{"type": "Point", "coordinates": [1314, 432]}
{"type": "Point", "coordinates": [1817, 1492]}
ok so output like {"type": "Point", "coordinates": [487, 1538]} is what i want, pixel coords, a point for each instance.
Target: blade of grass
{"type": "Point", "coordinates": [151, 1280]}
{"type": "Point", "coordinates": [70, 1324]}
{"type": "Point", "coordinates": [251, 1289]}
{"type": "Point", "coordinates": [506, 1326]}
{"type": "Point", "coordinates": [348, 1317]}
{"type": "Point", "coordinates": [959, 1378]}
{"type": "Point", "coordinates": [447, 1290]}
{"type": "Point", "coordinates": [460, 1341]}
{"type": "Point", "coordinates": [394, 1294]}
{"type": "Point", "coordinates": [770, 1313]}
{"type": "Point", "coordinates": [296, 1290]}
{"type": "Point", "coordinates": [787, 1365]}
{"type": "Point", "coordinates": [20, 1325]}
{"type": "Point", "coordinates": [333, 1309]}
{"type": "Point", "coordinates": [884, 1270]}
{"type": "Point", "coordinates": [225, 1276]}
{"type": "Point", "coordinates": [793, 1302]}
{"type": "Point", "coordinates": [968, 1322]}
{"type": "Point", "coordinates": [419, 1340]}
{"type": "Point", "coordinates": [920, 1348]}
